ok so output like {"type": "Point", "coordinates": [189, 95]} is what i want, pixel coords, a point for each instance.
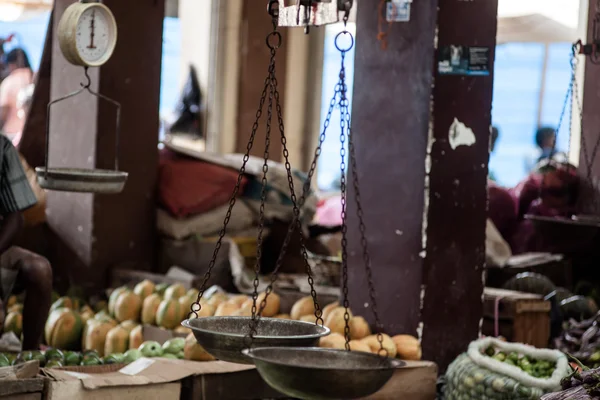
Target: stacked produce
{"type": "Point", "coordinates": [175, 348]}
{"type": "Point", "coordinates": [492, 369]}
{"type": "Point", "coordinates": [527, 364]}
{"type": "Point", "coordinates": [581, 340]}
{"type": "Point", "coordinates": [403, 346]}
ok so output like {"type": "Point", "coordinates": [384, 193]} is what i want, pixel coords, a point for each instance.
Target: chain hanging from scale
{"type": "Point", "coordinates": [573, 104]}
{"type": "Point", "coordinates": [273, 42]}
{"type": "Point", "coordinates": [345, 133]}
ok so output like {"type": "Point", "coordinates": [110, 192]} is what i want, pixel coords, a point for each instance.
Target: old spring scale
{"type": "Point", "coordinates": [279, 347]}
{"type": "Point", "coordinates": [87, 36]}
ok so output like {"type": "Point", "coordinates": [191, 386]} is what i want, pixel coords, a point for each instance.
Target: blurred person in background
{"type": "Point", "coordinates": [545, 140]}
{"type": "Point", "coordinates": [18, 77]}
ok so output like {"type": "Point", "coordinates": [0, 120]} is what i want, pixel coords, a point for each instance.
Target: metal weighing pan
{"type": "Point", "coordinates": [312, 373]}
{"type": "Point", "coordinates": [81, 180]}
{"type": "Point", "coordinates": [225, 337]}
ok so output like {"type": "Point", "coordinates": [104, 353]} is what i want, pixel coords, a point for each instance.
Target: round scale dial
{"type": "Point", "coordinates": [87, 34]}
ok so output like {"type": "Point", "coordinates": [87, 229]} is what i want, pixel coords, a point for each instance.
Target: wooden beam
{"type": "Point", "coordinates": [33, 141]}
{"type": "Point", "coordinates": [255, 56]}
{"type": "Point", "coordinates": [423, 193]}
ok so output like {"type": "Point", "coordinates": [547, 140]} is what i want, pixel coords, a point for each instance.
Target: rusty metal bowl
{"type": "Point", "coordinates": [81, 180]}
{"type": "Point", "coordinates": [312, 373]}
{"type": "Point", "coordinates": [225, 337]}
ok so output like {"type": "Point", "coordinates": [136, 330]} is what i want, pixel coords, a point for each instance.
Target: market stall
{"type": "Point", "coordinates": [216, 320]}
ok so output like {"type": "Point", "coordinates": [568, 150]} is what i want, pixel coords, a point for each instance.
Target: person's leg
{"type": "Point", "coordinates": [35, 278]}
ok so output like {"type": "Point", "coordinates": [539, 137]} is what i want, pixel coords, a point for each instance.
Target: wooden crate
{"type": "Point", "coordinates": [21, 382]}
{"type": "Point", "coordinates": [522, 317]}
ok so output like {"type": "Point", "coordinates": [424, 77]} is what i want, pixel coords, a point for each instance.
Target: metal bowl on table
{"type": "Point", "coordinates": [225, 337]}
{"type": "Point", "coordinates": [322, 374]}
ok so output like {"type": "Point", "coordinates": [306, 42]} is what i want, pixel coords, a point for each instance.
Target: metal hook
{"type": "Point", "coordinates": [88, 84]}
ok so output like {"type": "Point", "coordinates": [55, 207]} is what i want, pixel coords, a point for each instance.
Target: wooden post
{"type": "Point", "coordinates": [424, 197]}
{"type": "Point", "coordinates": [97, 232]}
{"type": "Point", "coordinates": [254, 62]}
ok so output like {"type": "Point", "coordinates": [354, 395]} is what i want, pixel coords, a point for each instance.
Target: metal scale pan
{"type": "Point", "coordinates": [101, 181]}
{"type": "Point", "coordinates": [224, 337]}
{"type": "Point", "coordinates": [322, 374]}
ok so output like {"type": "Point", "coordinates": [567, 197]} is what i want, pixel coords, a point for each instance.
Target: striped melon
{"type": "Point", "coordinates": [136, 337]}
{"type": "Point", "coordinates": [63, 329]}
{"type": "Point", "coordinates": [149, 309]}
{"type": "Point", "coordinates": [117, 341]}
{"type": "Point", "coordinates": [112, 300]}
{"type": "Point", "coordinates": [144, 289]}
{"type": "Point", "coordinates": [63, 302]}
{"type": "Point", "coordinates": [168, 314]}
{"type": "Point", "coordinates": [128, 307]}
{"type": "Point", "coordinates": [95, 336]}
{"type": "Point", "coordinates": [14, 323]}
{"type": "Point", "coordinates": [174, 292]}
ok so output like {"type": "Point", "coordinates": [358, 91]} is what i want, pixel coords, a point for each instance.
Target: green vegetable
{"type": "Point", "coordinates": [54, 354]}
{"type": "Point", "coordinates": [490, 351]}
{"type": "Point", "coordinates": [500, 357]}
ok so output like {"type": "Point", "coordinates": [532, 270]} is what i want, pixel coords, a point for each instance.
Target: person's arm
{"type": "Point", "coordinates": [16, 195]}
{"type": "Point", "coordinates": [9, 228]}
{"type": "Point", "coordinates": [5, 101]}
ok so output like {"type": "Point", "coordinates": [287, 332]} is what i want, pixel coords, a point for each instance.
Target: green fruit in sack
{"type": "Point", "coordinates": [4, 361]}
{"type": "Point", "coordinates": [73, 358]}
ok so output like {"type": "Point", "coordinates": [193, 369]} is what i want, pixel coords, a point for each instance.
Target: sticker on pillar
{"type": "Point", "coordinates": [398, 10]}
{"type": "Point", "coordinates": [464, 60]}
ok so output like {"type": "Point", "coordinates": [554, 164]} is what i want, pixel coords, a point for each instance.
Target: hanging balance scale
{"type": "Point", "coordinates": [286, 352]}
{"type": "Point", "coordinates": [87, 36]}
{"type": "Point", "coordinates": [582, 224]}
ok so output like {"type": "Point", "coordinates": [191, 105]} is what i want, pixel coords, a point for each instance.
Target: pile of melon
{"type": "Point", "coordinates": [405, 347]}
{"type": "Point", "coordinates": [115, 327]}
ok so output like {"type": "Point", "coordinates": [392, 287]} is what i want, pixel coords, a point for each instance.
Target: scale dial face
{"type": "Point", "coordinates": [87, 34]}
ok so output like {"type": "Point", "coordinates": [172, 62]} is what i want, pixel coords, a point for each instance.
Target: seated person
{"type": "Point", "coordinates": [20, 269]}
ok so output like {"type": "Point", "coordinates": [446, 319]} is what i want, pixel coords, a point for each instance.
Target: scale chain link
{"type": "Point", "coordinates": [296, 218]}
{"type": "Point", "coordinates": [343, 103]}
{"type": "Point", "coordinates": [263, 196]}
{"type": "Point", "coordinates": [363, 238]}
{"type": "Point", "coordinates": [196, 306]}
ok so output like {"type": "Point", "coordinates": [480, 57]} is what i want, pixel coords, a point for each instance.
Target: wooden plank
{"type": "Point", "coordinates": [10, 387]}
{"type": "Point", "coordinates": [73, 390]}
{"type": "Point", "coordinates": [24, 396]}
{"type": "Point", "coordinates": [26, 370]}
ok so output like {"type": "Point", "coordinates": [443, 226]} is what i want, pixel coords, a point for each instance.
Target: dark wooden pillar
{"type": "Point", "coordinates": [99, 231]}
{"type": "Point", "coordinates": [254, 62]}
{"type": "Point", "coordinates": [424, 199]}
{"type": "Point", "coordinates": [32, 142]}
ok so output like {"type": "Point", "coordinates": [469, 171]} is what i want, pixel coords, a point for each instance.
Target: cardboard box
{"type": "Point", "coordinates": [145, 379]}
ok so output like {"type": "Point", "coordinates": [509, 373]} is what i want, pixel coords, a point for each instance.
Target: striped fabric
{"type": "Point", "coordinates": [15, 192]}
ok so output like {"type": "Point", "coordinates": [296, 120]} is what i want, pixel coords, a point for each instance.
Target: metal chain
{"type": "Point", "coordinates": [273, 11]}
{"type": "Point", "coordinates": [263, 196]}
{"type": "Point", "coordinates": [343, 103]}
{"type": "Point", "coordinates": [293, 227]}
{"type": "Point", "coordinates": [363, 239]}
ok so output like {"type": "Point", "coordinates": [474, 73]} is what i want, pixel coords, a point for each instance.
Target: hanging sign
{"type": "Point", "coordinates": [464, 60]}
{"type": "Point", "coordinates": [398, 10]}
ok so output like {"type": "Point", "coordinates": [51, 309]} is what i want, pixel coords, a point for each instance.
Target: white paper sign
{"type": "Point", "coordinates": [137, 366]}
{"type": "Point", "coordinates": [398, 10]}
{"type": "Point", "coordinates": [77, 375]}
